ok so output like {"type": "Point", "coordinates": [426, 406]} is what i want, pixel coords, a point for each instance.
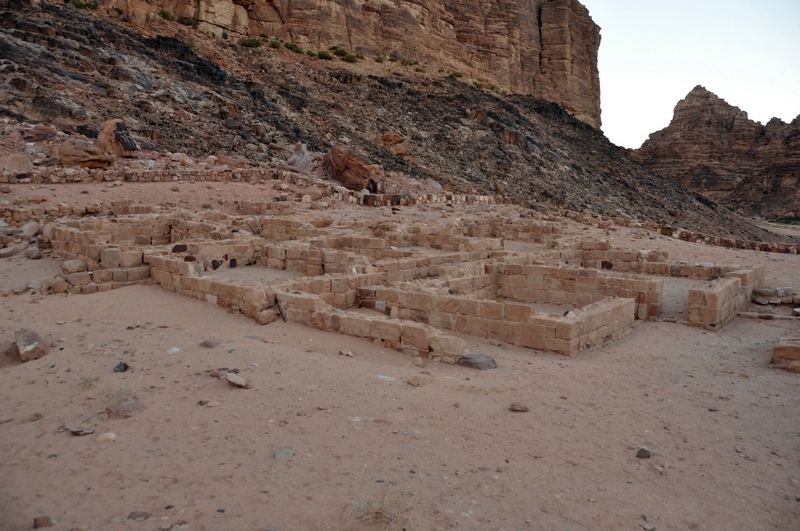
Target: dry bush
{"type": "Point", "coordinates": [388, 508]}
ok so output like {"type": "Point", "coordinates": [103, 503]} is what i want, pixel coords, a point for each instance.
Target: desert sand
{"type": "Point", "coordinates": [320, 431]}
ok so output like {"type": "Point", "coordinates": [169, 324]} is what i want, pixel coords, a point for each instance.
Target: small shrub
{"type": "Point", "coordinates": [393, 59]}
{"type": "Point", "coordinates": [250, 43]}
{"type": "Point", "coordinates": [349, 58]}
{"type": "Point", "coordinates": [110, 91]}
{"type": "Point", "coordinates": [119, 10]}
{"type": "Point", "coordinates": [456, 75]}
{"type": "Point", "coordinates": [225, 35]}
{"type": "Point", "coordinates": [188, 21]}
{"type": "Point", "coordinates": [407, 62]}
{"type": "Point", "coordinates": [311, 53]}
{"type": "Point", "coordinates": [85, 5]}
{"type": "Point", "coordinates": [322, 54]}
{"type": "Point", "coordinates": [360, 56]}
{"type": "Point", "coordinates": [420, 69]}
{"type": "Point", "coordinates": [274, 43]}
{"type": "Point", "coordinates": [285, 85]}
{"type": "Point", "coordinates": [478, 85]}
{"type": "Point", "coordinates": [166, 15]}
{"type": "Point", "coordinates": [190, 44]}
{"type": "Point", "coordinates": [340, 52]}
{"type": "Point", "coordinates": [264, 36]}
{"type": "Point", "coordinates": [293, 47]}
{"type": "Point", "coordinates": [87, 382]}
{"type": "Point", "coordinates": [788, 220]}
{"type": "Point", "coordinates": [379, 59]}
{"type": "Point", "coordinates": [387, 509]}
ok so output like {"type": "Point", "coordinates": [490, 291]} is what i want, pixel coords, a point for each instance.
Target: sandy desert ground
{"type": "Point", "coordinates": [319, 432]}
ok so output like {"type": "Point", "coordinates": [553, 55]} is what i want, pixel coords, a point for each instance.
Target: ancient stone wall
{"type": "Point", "coordinates": [716, 304]}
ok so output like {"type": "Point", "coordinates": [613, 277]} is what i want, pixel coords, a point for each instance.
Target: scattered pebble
{"type": "Point", "coordinates": [138, 516]}
{"type": "Point", "coordinates": [44, 521]}
{"type": "Point", "coordinates": [347, 353]}
{"type": "Point", "coordinates": [235, 380]}
{"type": "Point", "coordinates": [416, 381]}
{"type": "Point", "coordinates": [121, 367]}
{"type": "Point", "coordinates": [518, 408]}
{"type": "Point", "coordinates": [478, 361]}
{"type": "Point", "coordinates": [210, 342]}
{"type": "Point", "coordinates": [644, 453]}
{"type": "Point", "coordinates": [173, 350]}
{"type": "Point", "coordinates": [283, 453]}
{"type": "Point", "coordinates": [107, 437]}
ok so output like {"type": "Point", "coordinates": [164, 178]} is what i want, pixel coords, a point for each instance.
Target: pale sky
{"type": "Point", "coordinates": [653, 52]}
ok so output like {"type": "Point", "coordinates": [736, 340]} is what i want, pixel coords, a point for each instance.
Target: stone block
{"type": "Point", "coordinates": [79, 279]}
{"type": "Point", "coordinates": [415, 336]}
{"type": "Point", "coordinates": [469, 307]}
{"type": "Point", "coordinates": [568, 329]}
{"type": "Point", "coordinates": [419, 301]}
{"type": "Point", "coordinates": [518, 313]}
{"type": "Point", "coordinates": [136, 274]}
{"type": "Point", "coordinates": [101, 276]}
{"type": "Point", "coordinates": [445, 345]}
{"type": "Point", "coordinates": [491, 310]}
{"type": "Point", "coordinates": [354, 326]}
{"type": "Point", "coordinates": [110, 257]}
{"type": "Point", "coordinates": [787, 348]}
{"type": "Point", "coordinates": [443, 320]}
{"type": "Point", "coordinates": [131, 258]}
{"type": "Point", "coordinates": [386, 330]}
{"type": "Point", "coordinates": [532, 336]}
{"type": "Point", "coordinates": [506, 331]}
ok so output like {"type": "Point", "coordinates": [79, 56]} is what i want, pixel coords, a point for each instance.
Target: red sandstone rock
{"type": "Point", "coordinates": [553, 57]}
{"type": "Point", "coordinates": [711, 146]}
{"type": "Point", "coordinates": [77, 152]}
{"type": "Point", "coordinates": [345, 165]}
{"type": "Point", "coordinates": [115, 139]}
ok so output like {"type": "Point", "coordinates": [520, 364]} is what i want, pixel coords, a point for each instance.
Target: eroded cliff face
{"type": "Point", "coordinates": [712, 146]}
{"type": "Point", "coordinates": [547, 48]}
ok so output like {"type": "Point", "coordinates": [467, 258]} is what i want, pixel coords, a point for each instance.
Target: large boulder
{"type": "Point", "coordinates": [15, 164]}
{"type": "Point", "coordinates": [301, 160]}
{"type": "Point", "coordinates": [344, 164]}
{"type": "Point", "coordinates": [40, 132]}
{"type": "Point", "coordinates": [78, 152]}
{"type": "Point", "coordinates": [115, 139]}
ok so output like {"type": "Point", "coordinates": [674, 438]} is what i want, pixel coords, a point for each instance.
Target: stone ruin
{"type": "Point", "coordinates": [398, 278]}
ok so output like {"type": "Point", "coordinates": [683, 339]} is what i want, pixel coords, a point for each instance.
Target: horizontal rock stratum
{"type": "Point", "coordinates": [713, 147]}
{"type": "Point", "coordinates": [547, 48]}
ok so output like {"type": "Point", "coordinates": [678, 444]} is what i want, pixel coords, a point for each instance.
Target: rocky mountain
{"type": "Point", "coordinates": [713, 147]}
{"type": "Point", "coordinates": [179, 91]}
{"type": "Point", "coordinates": [547, 48]}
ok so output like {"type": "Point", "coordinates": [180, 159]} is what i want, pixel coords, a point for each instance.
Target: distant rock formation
{"type": "Point", "coordinates": [713, 147]}
{"type": "Point", "coordinates": [547, 48]}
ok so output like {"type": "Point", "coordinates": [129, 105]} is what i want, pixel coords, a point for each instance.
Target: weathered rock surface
{"type": "Point", "coordinates": [459, 138]}
{"type": "Point", "coordinates": [15, 163]}
{"type": "Point", "coordinates": [29, 345]}
{"type": "Point", "coordinates": [711, 146]}
{"type": "Point", "coordinates": [347, 166]}
{"type": "Point", "coordinates": [547, 48]}
{"type": "Point", "coordinates": [77, 152]}
{"type": "Point", "coordinates": [115, 139]}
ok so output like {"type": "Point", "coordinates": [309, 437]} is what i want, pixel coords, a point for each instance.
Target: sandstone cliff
{"type": "Point", "coordinates": [713, 147]}
{"type": "Point", "coordinates": [547, 48]}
